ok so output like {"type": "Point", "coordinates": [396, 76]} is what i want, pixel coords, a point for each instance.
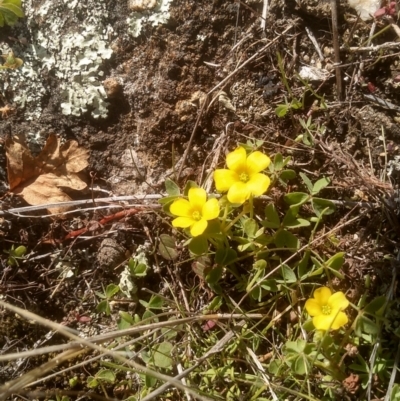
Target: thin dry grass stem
{"type": "Point", "coordinates": [372, 361]}
{"type": "Point", "coordinates": [134, 329]}
{"type": "Point", "coordinates": [257, 54]}
{"type": "Point", "coordinates": [378, 189]}
{"type": "Point", "coordinates": [217, 348]}
{"type": "Point", "coordinates": [278, 316]}
{"type": "Point", "coordinates": [314, 41]}
{"type": "Point", "coordinates": [362, 64]}
{"type": "Point", "coordinates": [216, 152]}
{"type": "Point", "coordinates": [179, 368]}
{"type": "Point", "coordinates": [302, 329]}
{"type": "Point", "coordinates": [336, 48]}
{"type": "Point", "coordinates": [61, 347]}
{"type": "Point", "coordinates": [260, 369]}
{"type": "Point", "coordinates": [394, 25]}
{"type": "Point", "coordinates": [371, 32]}
{"type": "Point", "coordinates": [94, 358]}
{"type": "Point", "coordinates": [360, 204]}
{"type": "Point", "coordinates": [153, 243]}
{"type": "Point", "coordinates": [237, 21]}
{"type": "Point", "coordinates": [17, 211]}
{"type": "Point", "coordinates": [241, 41]}
{"type": "Point", "coordinates": [389, 297]}
{"type": "Point", "coordinates": [59, 283]}
{"type": "Point", "coordinates": [383, 175]}
{"type": "Point", "coordinates": [376, 48]}
{"type": "Point", "coordinates": [264, 15]}
{"type": "Point", "coordinates": [111, 202]}
{"type": "Point", "coordinates": [249, 8]}
{"type": "Point", "coordinates": [36, 351]}
{"type": "Point", "coordinates": [395, 368]}
{"type": "Point", "coordinates": [385, 104]}
{"type": "Point", "coordinates": [79, 395]}
{"type": "Point", "coordinates": [183, 291]}
{"type": "Point", "coordinates": [15, 385]}
{"type": "Point", "coordinates": [366, 179]}
{"type": "Point", "coordinates": [295, 55]}
{"type": "Point", "coordinates": [90, 343]}
{"type": "Point", "coordinates": [351, 92]}
{"type": "Point", "coordinates": [370, 158]}
{"type": "Point", "coordinates": [189, 145]}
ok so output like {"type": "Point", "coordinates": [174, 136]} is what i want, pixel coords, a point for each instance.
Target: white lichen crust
{"type": "Point", "coordinates": [69, 41]}
{"type": "Point", "coordinates": [141, 5]}
{"type": "Point", "coordinates": [154, 11]}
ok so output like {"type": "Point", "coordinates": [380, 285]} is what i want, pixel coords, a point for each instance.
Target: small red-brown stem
{"type": "Point", "coordinates": [119, 215]}
{"type": "Point", "coordinates": [103, 221]}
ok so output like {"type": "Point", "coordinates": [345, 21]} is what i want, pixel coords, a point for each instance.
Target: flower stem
{"type": "Point", "coordinates": [251, 206]}
{"type": "Point", "coordinates": [225, 229]}
{"type": "Point", "coordinates": [226, 210]}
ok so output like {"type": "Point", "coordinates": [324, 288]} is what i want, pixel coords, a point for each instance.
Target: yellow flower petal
{"type": "Point", "coordinates": [257, 162]}
{"type": "Point", "coordinates": [258, 184]}
{"type": "Point", "coordinates": [333, 321]}
{"type": "Point", "coordinates": [340, 321]}
{"type": "Point", "coordinates": [313, 308]}
{"type": "Point", "coordinates": [181, 207]}
{"type": "Point", "coordinates": [322, 295]}
{"type": "Point", "coordinates": [238, 193]}
{"type": "Point", "coordinates": [182, 222]}
{"type": "Point", "coordinates": [210, 209]}
{"type": "Point", "coordinates": [236, 160]}
{"type": "Point", "coordinates": [322, 322]}
{"type": "Point", "coordinates": [198, 227]}
{"type": "Point", "coordinates": [338, 301]}
{"type": "Point", "coordinates": [224, 179]}
{"type": "Point", "coordinates": [197, 198]}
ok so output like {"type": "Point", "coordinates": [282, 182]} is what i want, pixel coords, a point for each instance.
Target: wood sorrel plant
{"type": "Point", "coordinates": [221, 233]}
{"type": "Point", "coordinates": [265, 251]}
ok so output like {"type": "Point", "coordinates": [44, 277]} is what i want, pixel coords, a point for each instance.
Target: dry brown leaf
{"type": "Point", "coordinates": [39, 179]}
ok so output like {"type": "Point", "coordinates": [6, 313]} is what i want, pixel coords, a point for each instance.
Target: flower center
{"type": "Point", "coordinates": [326, 309]}
{"type": "Point", "coordinates": [244, 177]}
{"type": "Point", "coordinates": [196, 215]}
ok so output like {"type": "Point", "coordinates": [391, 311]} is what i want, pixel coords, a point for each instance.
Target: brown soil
{"type": "Point", "coordinates": [166, 74]}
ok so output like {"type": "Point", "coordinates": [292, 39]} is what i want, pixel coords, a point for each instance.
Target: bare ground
{"type": "Point", "coordinates": [160, 88]}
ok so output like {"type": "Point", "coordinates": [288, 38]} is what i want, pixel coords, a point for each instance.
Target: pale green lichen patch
{"type": "Point", "coordinates": [69, 43]}
{"type": "Point", "coordinates": [158, 14]}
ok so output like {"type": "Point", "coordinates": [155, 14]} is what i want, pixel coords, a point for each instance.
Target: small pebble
{"type": "Point", "coordinates": [112, 87]}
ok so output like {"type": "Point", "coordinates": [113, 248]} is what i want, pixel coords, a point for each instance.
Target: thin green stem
{"type": "Point", "coordinates": [224, 217]}
{"type": "Point", "coordinates": [240, 215]}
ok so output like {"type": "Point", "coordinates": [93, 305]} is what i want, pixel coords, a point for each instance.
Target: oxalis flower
{"type": "Point", "coordinates": [326, 309]}
{"type": "Point", "coordinates": [243, 177]}
{"type": "Point", "coordinates": [195, 212]}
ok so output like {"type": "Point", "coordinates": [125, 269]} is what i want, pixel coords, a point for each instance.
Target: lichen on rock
{"type": "Point", "coordinates": [154, 11]}
{"type": "Point", "coordinates": [69, 41]}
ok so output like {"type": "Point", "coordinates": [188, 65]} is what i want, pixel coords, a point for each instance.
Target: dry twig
{"type": "Point", "coordinates": [335, 38]}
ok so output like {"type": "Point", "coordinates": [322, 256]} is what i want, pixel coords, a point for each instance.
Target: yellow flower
{"type": "Point", "coordinates": [243, 177]}
{"type": "Point", "coordinates": [195, 212]}
{"type": "Point", "coordinates": [326, 309]}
